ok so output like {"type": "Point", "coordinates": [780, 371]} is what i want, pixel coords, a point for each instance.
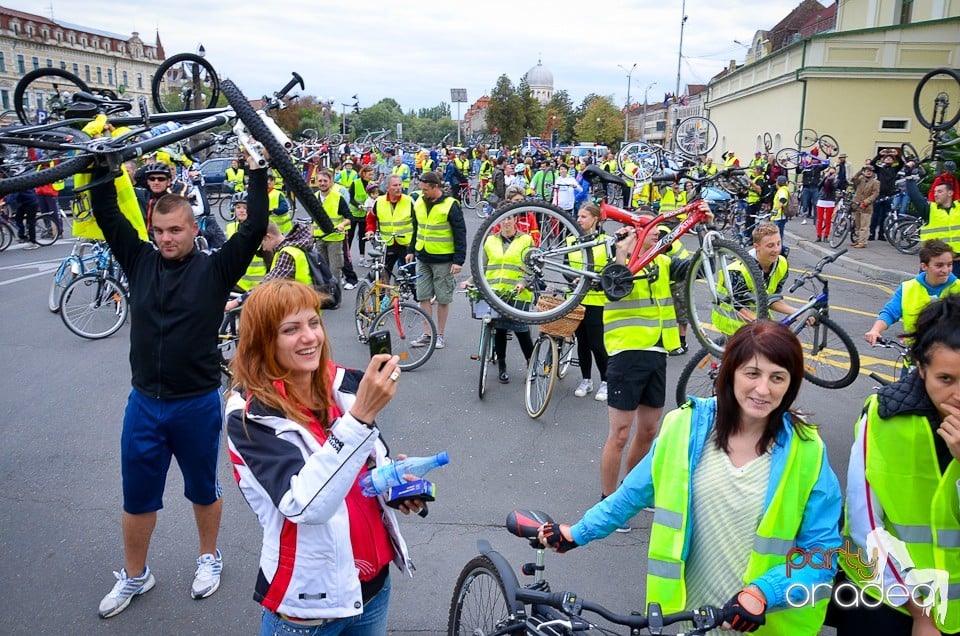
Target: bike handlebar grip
{"type": "Point", "coordinates": [837, 255]}
{"type": "Point", "coordinates": [797, 284]}
{"type": "Point", "coordinates": [877, 378]}
{"type": "Point", "coordinates": [665, 178]}
{"type": "Point", "coordinates": [296, 79]}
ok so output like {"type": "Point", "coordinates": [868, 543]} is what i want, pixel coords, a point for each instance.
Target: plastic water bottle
{"type": "Point", "coordinates": [382, 479]}
{"type": "Point", "coordinates": [163, 128]}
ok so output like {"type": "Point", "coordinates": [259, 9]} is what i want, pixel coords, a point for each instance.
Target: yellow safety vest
{"type": "Point", "coordinates": [463, 165]}
{"type": "Point", "coordinates": [783, 192]}
{"type": "Point", "coordinates": [645, 317]}
{"type": "Point", "coordinates": [775, 536]}
{"type": "Point", "coordinates": [403, 172]}
{"type": "Point", "coordinates": [301, 272]}
{"type": "Point", "coordinates": [395, 221]}
{"type": "Point", "coordinates": [731, 161]}
{"type": "Point", "coordinates": [236, 178]}
{"type": "Point", "coordinates": [504, 267]}
{"type": "Point", "coordinates": [486, 169]}
{"type": "Point", "coordinates": [594, 297]}
{"type": "Point", "coordinates": [943, 225]}
{"type": "Point", "coordinates": [346, 177]}
{"type": "Point", "coordinates": [434, 234]}
{"type": "Point", "coordinates": [359, 197]}
{"type": "Point", "coordinates": [901, 451]}
{"type": "Point", "coordinates": [284, 221]}
{"type": "Point", "coordinates": [753, 196]}
{"type": "Point", "coordinates": [915, 297]}
{"type": "Point", "coordinates": [725, 317]}
{"type": "Point", "coordinates": [255, 273]}
{"type": "Point", "coordinates": [671, 200]}
{"type": "Point", "coordinates": [428, 165]}
{"type": "Point", "coordinates": [231, 228]}
{"type": "Point", "coordinates": [709, 170]}
{"type": "Point", "coordinates": [331, 205]}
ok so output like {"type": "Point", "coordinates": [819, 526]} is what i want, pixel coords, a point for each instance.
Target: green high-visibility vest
{"type": "Point", "coordinates": [283, 220]}
{"type": "Point", "coordinates": [594, 297]}
{"type": "Point", "coordinates": [254, 274]}
{"type": "Point", "coordinates": [919, 503]}
{"type": "Point", "coordinates": [395, 221]}
{"type": "Point", "coordinates": [403, 172]}
{"type": "Point", "coordinates": [943, 225]}
{"type": "Point", "coordinates": [725, 316]}
{"type": "Point", "coordinates": [643, 317]}
{"type": "Point", "coordinates": [915, 297]}
{"type": "Point", "coordinates": [331, 205]}
{"type": "Point", "coordinates": [301, 272]}
{"type": "Point", "coordinates": [775, 535]}
{"type": "Point", "coordinates": [434, 234]}
{"type": "Point", "coordinates": [504, 267]}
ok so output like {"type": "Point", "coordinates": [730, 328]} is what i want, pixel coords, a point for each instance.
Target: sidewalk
{"type": "Point", "coordinates": [879, 261]}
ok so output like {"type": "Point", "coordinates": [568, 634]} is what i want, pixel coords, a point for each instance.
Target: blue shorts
{"type": "Point", "coordinates": [155, 430]}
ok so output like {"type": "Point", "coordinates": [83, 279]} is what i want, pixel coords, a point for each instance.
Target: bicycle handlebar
{"type": "Point", "coordinates": [818, 268]}
{"type": "Point", "coordinates": [296, 79]}
{"type": "Point", "coordinates": [683, 173]}
{"type": "Point", "coordinates": [569, 603]}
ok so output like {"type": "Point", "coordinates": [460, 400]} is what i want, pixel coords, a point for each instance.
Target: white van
{"type": "Point", "coordinates": [582, 150]}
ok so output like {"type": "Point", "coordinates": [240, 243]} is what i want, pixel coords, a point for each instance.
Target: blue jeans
{"type": "Point", "coordinates": [372, 622]}
{"type": "Point", "coordinates": [808, 201]}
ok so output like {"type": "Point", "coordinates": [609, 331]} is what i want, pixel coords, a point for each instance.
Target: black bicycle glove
{"type": "Point", "coordinates": [555, 538]}
{"type": "Point", "coordinates": [745, 611]}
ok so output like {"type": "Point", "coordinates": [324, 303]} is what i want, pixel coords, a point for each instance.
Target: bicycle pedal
{"type": "Point", "coordinates": [474, 357]}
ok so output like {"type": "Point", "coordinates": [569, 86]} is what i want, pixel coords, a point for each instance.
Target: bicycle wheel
{"type": "Point", "coordinates": [828, 146]}
{"type": "Point", "coordinates": [185, 81]}
{"type": "Point", "coordinates": [567, 351]}
{"type": "Point", "coordinates": [908, 153]}
{"type": "Point", "coordinates": [830, 359]}
{"type": "Point", "coordinates": [840, 229]}
{"type": "Point", "coordinates": [767, 141]}
{"type": "Point", "coordinates": [695, 136]}
{"type": "Point", "coordinates": [906, 236]}
{"type": "Point", "coordinates": [544, 265]}
{"type": "Point", "coordinates": [61, 280]}
{"type": "Point", "coordinates": [486, 343]}
{"type": "Point", "coordinates": [712, 288]}
{"type": "Point", "coordinates": [806, 137]}
{"type": "Point", "coordinates": [698, 377]}
{"type": "Point", "coordinates": [47, 236]}
{"type": "Point", "coordinates": [279, 157]}
{"type": "Point", "coordinates": [936, 100]}
{"type": "Point", "coordinates": [541, 376]}
{"type": "Point", "coordinates": [22, 169]}
{"type": "Point", "coordinates": [93, 306]}
{"type": "Point", "coordinates": [788, 158]}
{"type": "Point", "coordinates": [480, 604]}
{"type": "Point", "coordinates": [364, 309]}
{"type": "Point", "coordinates": [638, 160]}
{"type": "Point", "coordinates": [7, 234]}
{"type": "Point", "coordinates": [406, 323]}
{"type": "Point", "coordinates": [46, 80]}
{"type": "Point", "coordinates": [225, 209]}
{"type": "Point", "coordinates": [227, 339]}
{"type": "Point", "coordinates": [469, 200]}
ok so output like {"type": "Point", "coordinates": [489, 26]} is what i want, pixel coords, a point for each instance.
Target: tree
{"type": "Point", "coordinates": [505, 112]}
{"type": "Point", "coordinates": [532, 111]}
{"type": "Point", "coordinates": [562, 106]}
{"type": "Point", "coordinates": [435, 113]}
{"type": "Point", "coordinates": [601, 122]}
{"type": "Point", "coordinates": [384, 115]}
{"type": "Point", "coordinates": [301, 114]}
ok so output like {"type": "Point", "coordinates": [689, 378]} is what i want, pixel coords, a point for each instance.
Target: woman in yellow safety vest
{"type": "Point", "coordinates": [902, 496]}
{"type": "Point", "coordinates": [745, 499]}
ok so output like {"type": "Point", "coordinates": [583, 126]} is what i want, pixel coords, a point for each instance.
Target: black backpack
{"type": "Point", "coordinates": [323, 279]}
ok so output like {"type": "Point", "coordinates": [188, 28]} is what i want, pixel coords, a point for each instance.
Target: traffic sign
{"type": "Point", "coordinates": [122, 88]}
{"type": "Point", "coordinates": [42, 116]}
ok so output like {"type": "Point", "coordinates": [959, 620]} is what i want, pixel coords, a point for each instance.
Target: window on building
{"type": "Point", "coordinates": [661, 125]}
{"type": "Point", "coordinates": [86, 72]}
{"type": "Point", "coordinates": [21, 64]}
{"type": "Point", "coordinates": [35, 61]}
{"type": "Point", "coordinates": [5, 98]}
{"type": "Point", "coordinates": [16, 28]}
{"type": "Point", "coordinates": [83, 40]}
{"type": "Point", "coordinates": [905, 11]}
{"type": "Point", "coordinates": [110, 76]}
{"type": "Point", "coordinates": [30, 30]}
{"type": "Point", "coordinates": [63, 65]}
{"type": "Point", "coordinates": [3, 63]}
{"type": "Point", "coordinates": [49, 63]}
{"type": "Point", "coordinates": [140, 81]}
{"type": "Point", "coordinates": [125, 81]}
{"type": "Point", "coordinates": [76, 69]}
{"type": "Point", "coordinates": [26, 101]}
{"type": "Point", "coordinates": [895, 124]}
{"type": "Point", "coordinates": [72, 38]}
{"type": "Point", "coordinates": [99, 75]}
{"type": "Point", "coordinates": [39, 100]}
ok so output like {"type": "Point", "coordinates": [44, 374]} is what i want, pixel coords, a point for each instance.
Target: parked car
{"type": "Point", "coordinates": [214, 173]}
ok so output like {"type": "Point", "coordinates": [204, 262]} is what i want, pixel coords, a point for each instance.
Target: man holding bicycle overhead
{"type": "Point", "coordinates": [177, 295]}
{"type": "Point", "coordinates": [941, 217]}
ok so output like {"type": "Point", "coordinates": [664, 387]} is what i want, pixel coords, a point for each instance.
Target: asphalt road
{"type": "Point", "coordinates": [59, 475]}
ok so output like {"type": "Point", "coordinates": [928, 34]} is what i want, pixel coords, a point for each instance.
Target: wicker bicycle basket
{"type": "Point", "coordinates": [562, 327]}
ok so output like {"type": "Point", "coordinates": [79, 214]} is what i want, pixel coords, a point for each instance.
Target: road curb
{"type": "Point", "coordinates": [869, 270]}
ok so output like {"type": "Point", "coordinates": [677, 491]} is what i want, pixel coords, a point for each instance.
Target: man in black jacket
{"type": "Point", "coordinates": [177, 294]}
{"type": "Point", "coordinates": [888, 163]}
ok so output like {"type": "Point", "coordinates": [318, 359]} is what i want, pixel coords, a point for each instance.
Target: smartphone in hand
{"type": "Point", "coordinates": [379, 342]}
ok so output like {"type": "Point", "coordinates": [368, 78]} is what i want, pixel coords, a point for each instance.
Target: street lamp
{"type": "Point", "coordinates": [643, 129]}
{"type": "Point", "coordinates": [626, 117]}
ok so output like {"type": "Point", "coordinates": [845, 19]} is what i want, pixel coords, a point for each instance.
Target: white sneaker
{"type": "Point", "coordinates": [601, 395]}
{"type": "Point", "coordinates": [440, 343]}
{"type": "Point", "coordinates": [207, 578]}
{"type": "Point", "coordinates": [804, 221]}
{"type": "Point", "coordinates": [422, 341]}
{"type": "Point", "coordinates": [124, 590]}
{"type": "Point", "coordinates": [349, 286]}
{"type": "Point", "coordinates": [586, 386]}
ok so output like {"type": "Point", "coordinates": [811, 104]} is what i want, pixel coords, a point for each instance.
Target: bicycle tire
{"type": "Point", "coordinates": [788, 158]}
{"type": "Point", "coordinates": [839, 229]}
{"type": "Point", "coordinates": [767, 141]}
{"type": "Point", "coordinates": [41, 237]}
{"type": "Point", "coordinates": [22, 88]}
{"type": "Point", "coordinates": [480, 604]}
{"type": "Point", "coordinates": [94, 306]}
{"type": "Point", "coordinates": [410, 325]}
{"type": "Point", "coordinates": [822, 353]}
{"type": "Point", "coordinates": [541, 376]}
{"type": "Point", "coordinates": [701, 288]}
{"type": "Point", "coordinates": [157, 81]}
{"type": "Point", "coordinates": [695, 136]}
{"type": "Point", "coordinates": [279, 158]}
{"type": "Point", "coordinates": [806, 137]}
{"type": "Point", "coordinates": [906, 236]}
{"type": "Point", "coordinates": [19, 172]}
{"type": "Point", "coordinates": [227, 339]}
{"type": "Point", "coordinates": [545, 267]}
{"type": "Point", "coordinates": [566, 351]}
{"type": "Point", "coordinates": [643, 156]}
{"type": "Point", "coordinates": [225, 209]}
{"type": "Point", "coordinates": [698, 377]}
{"type": "Point", "coordinates": [61, 280]}
{"type": "Point", "coordinates": [938, 82]}
{"type": "Point", "coordinates": [7, 234]}
{"type": "Point", "coordinates": [828, 146]}
{"type": "Point", "coordinates": [486, 333]}
{"type": "Point", "coordinates": [469, 199]}
{"type": "Point", "coordinates": [908, 153]}
{"type": "Point", "coordinates": [364, 309]}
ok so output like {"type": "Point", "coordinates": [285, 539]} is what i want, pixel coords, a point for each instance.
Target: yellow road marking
{"type": "Point", "coordinates": [856, 281]}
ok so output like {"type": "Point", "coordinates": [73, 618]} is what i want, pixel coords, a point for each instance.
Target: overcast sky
{"type": "Point", "coordinates": [417, 51]}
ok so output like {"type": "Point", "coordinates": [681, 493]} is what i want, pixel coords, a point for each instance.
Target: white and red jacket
{"type": "Point", "coordinates": [297, 487]}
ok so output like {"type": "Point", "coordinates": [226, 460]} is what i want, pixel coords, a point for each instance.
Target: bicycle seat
{"type": "Point", "coordinates": [526, 523]}
{"type": "Point", "coordinates": [108, 101]}
{"type": "Point", "coordinates": [593, 172]}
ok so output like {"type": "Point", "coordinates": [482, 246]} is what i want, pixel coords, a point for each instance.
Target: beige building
{"type": "Point", "coordinates": [848, 70]}
{"type": "Point", "coordinates": [102, 60]}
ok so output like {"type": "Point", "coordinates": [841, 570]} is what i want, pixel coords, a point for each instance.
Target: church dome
{"type": "Point", "coordinates": [539, 77]}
